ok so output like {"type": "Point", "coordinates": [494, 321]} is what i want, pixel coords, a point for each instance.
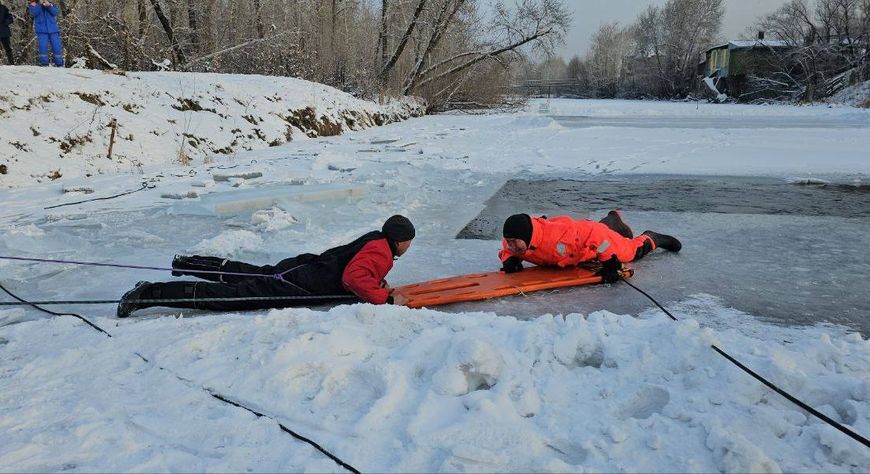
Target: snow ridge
{"type": "Point", "coordinates": [65, 130]}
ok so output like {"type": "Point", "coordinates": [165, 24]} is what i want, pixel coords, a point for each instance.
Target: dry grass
{"type": "Point", "coordinates": [184, 158]}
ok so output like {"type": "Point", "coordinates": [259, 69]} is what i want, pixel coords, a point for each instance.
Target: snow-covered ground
{"type": "Point", "coordinates": [393, 389]}
{"type": "Point", "coordinates": [63, 122]}
{"type": "Point", "coordinates": [857, 95]}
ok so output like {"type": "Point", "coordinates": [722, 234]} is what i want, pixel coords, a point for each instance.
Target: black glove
{"type": "Point", "coordinates": [512, 265]}
{"type": "Point", "coordinates": [610, 270]}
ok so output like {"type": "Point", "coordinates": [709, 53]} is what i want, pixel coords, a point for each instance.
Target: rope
{"type": "Point", "coordinates": [144, 186]}
{"type": "Point", "coordinates": [156, 302]}
{"type": "Point", "coordinates": [650, 298]}
{"type": "Point", "coordinates": [857, 437]}
{"type": "Point", "coordinates": [211, 392]}
{"type": "Point", "coordinates": [25, 302]}
{"type": "Point", "coordinates": [136, 267]}
{"type": "Point", "coordinates": [286, 430]}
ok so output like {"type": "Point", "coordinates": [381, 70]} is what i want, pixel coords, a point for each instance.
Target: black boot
{"type": "Point", "coordinates": [664, 241]}
{"type": "Point", "coordinates": [128, 302]}
{"type": "Point", "coordinates": [169, 291]}
{"type": "Point", "coordinates": [193, 266]}
{"type": "Point", "coordinates": [614, 220]}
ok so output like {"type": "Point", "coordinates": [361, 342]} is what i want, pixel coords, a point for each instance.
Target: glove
{"type": "Point", "coordinates": [610, 270]}
{"type": "Point", "coordinates": [512, 265]}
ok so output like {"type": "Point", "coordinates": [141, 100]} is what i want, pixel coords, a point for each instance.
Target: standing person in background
{"type": "Point", "coordinates": [6, 19]}
{"type": "Point", "coordinates": [44, 15]}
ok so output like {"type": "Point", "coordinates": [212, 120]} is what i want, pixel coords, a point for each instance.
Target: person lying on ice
{"type": "Point", "coordinates": [562, 241]}
{"type": "Point", "coordinates": [357, 268]}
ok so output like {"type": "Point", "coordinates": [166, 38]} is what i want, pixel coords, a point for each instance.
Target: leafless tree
{"type": "Point", "coordinates": [830, 47]}
{"type": "Point", "coordinates": [657, 55]}
{"type": "Point", "coordinates": [574, 68]}
{"type": "Point", "coordinates": [610, 49]}
{"type": "Point", "coordinates": [669, 41]}
{"type": "Point", "coordinates": [441, 49]}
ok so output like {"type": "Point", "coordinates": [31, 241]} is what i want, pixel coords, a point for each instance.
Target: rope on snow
{"type": "Point", "coordinates": [857, 437]}
{"type": "Point", "coordinates": [211, 392]}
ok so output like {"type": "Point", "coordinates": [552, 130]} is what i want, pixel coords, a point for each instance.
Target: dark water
{"type": "Point", "coordinates": [786, 253]}
{"type": "Point", "coordinates": [723, 195]}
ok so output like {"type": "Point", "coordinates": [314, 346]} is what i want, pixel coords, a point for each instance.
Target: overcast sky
{"type": "Point", "coordinates": [589, 14]}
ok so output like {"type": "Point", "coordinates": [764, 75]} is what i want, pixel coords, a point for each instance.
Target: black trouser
{"type": "Point", "coordinates": [254, 287]}
{"type": "Point", "coordinates": [229, 271]}
{"type": "Point", "coordinates": [298, 279]}
{"type": "Point", "coordinates": [7, 46]}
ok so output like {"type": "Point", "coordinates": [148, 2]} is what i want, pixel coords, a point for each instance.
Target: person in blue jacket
{"type": "Point", "coordinates": [44, 15]}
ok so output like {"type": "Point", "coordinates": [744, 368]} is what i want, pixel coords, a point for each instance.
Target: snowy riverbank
{"type": "Point", "coordinates": [58, 123]}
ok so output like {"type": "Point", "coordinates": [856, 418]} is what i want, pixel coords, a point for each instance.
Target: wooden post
{"type": "Point", "coordinates": [114, 126]}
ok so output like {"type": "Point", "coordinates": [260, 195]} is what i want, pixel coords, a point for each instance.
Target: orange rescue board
{"type": "Point", "coordinates": [481, 286]}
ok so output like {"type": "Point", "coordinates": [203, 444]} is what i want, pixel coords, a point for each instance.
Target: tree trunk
{"type": "Point", "coordinates": [170, 34]}
{"type": "Point", "coordinates": [441, 26]}
{"type": "Point", "coordinates": [258, 11]}
{"type": "Point", "coordinates": [194, 27]}
{"type": "Point", "coordinates": [332, 20]}
{"type": "Point", "coordinates": [482, 56]}
{"type": "Point", "coordinates": [143, 18]}
{"type": "Point", "coordinates": [382, 76]}
{"type": "Point", "coordinates": [383, 36]}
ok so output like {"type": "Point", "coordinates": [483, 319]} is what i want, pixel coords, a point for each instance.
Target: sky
{"type": "Point", "coordinates": [589, 14]}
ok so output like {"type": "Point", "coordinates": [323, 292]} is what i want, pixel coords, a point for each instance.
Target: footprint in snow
{"type": "Point", "coordinates": [648, 400]}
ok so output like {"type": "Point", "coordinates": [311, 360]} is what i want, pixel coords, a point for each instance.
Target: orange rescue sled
{"type": "Point", "coordinates": [481, 286]}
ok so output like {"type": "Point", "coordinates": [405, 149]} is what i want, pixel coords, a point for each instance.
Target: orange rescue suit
{"type": "Point", "coordinates": [562, 241]}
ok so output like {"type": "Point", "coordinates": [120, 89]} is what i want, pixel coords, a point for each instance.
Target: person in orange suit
{"type": "Point", "coordinates": [563, 241]}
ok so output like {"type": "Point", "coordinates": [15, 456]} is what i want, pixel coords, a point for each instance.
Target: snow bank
{"type": "Point", "coordinates": [58, 122]}
{"type": "Point", "coordinates": [857, 95]}
{"type": "Point", "coordinates": [396, 390]}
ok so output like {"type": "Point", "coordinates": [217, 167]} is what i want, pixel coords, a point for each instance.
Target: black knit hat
{"type": "Point", "coordinates": [518, 226]}
{"type": "Point", "coordinates": [398, 229]}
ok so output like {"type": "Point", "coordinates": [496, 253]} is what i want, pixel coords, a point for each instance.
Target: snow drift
{"type": "Point", "coordinates": [60, 122]}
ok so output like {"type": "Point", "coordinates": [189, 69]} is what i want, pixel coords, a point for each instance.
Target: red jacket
{"type": "Point", "coordinates": [562, 241]}
{"type": "Point", "coordinates": [364, 274]}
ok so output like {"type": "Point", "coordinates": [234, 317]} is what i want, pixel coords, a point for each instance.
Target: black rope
{"type": "Point", "coordinates": [794, 400]}
{"type": "Point", "coordinates": [286, 430]}
{"type": "Point", "coordinates": [209, 391]}
{"type": "Point", "coordinates": [28, 303]}
{"type": "Point", "coordinates": [857, 437]}
{"type": "Point", "coordinates": [157, 302]}
{"type": "Point", "coordinates": [106, 198]}
{"type": "Point", "coordinates": [651, 299]}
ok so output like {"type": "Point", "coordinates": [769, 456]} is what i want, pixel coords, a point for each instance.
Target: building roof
{"type": "Point", "coordinates": [753, 43]}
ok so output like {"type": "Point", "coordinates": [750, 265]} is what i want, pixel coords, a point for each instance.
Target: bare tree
{"type": "Point", "coordinates": [574, 69]}
{"type": "Point", "coordinates": [609, 52]}
{"type": "Point", "coordinates": [170, 32]}
{"type": "Point", "coordinates": [403, 41]}
{"type": "Point", "coordinates": [830, 44]}
{"type": "Point", "coordinates": [668, 42]}
{"type": "Point", "coordinates": [446, 14]}
{"type": "Point", "coordinates": [541, 24]}
{"type": "Point", "coordinates": [444, 50]}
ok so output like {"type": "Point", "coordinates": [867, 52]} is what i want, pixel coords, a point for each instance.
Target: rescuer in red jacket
{"type": "Point", "coordinates": [356, 269]}
{"type": "Point", "coordinates": [562, 241]}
